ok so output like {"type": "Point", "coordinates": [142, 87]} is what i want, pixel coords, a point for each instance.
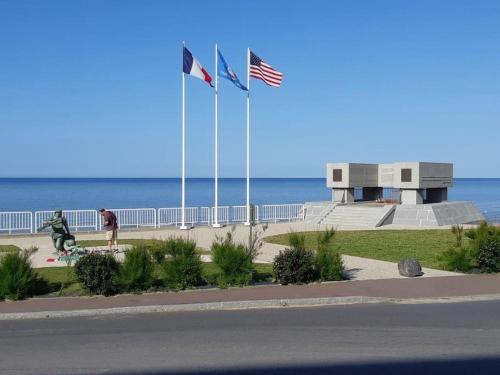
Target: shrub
{"type": "Point", "coordinates": [488, 255]}
{"type": "Point", "coordinates": [329, 264]}
{"type": "Point", "coordinates": [482, 234]}
{"type": "Point", "coordinates": [297, 241]}
{"type": "Point", "coordinates": [458, 231]}
{"type": "Point", "coordinates": [17, 277]}
{"type": "Point", "coordinates": [234, 261]}
{"type": "Point", "coordinates": [456, 259]}
{"type": "Point", "coordinates": [255, 235]}
{"type": "Point", "coordinates": [98, 273]}
{"type": "Point", "coordinates": [324, 239]}
{"type": "Point", "coordinates": [136, 272]}
{"type": "Point", "coordinates": [485, 246]}
{"type": "Point", "coordinates": [158, 250]}
{"type": "Point", "coordinates": [296, 264]}
{"type": "Point", "coordinates": [183, 268]}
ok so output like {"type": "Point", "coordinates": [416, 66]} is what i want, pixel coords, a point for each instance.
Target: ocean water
{"type": "Point", "coordinates": [35, 194]}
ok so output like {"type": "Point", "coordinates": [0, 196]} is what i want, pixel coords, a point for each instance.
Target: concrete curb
{"type": "Point", "coordinates": [244, 305]}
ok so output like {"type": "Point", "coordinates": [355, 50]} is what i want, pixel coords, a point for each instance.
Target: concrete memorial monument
{"type": "Point", "coordinates": [418, 196]}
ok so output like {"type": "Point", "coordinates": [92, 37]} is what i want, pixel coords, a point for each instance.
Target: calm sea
{"type": "Point", "coordinates": [33, 194]}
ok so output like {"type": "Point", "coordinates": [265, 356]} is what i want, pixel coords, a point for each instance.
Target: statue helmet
{"type": "Point", "coordinates": [58, 213]}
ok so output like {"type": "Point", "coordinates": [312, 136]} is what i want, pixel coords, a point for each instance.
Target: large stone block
{"type": "Point", "coordinates": [422, 175]}
{"type": "Point", "coordinates": [449, 213]}
{"type": "Point", "coordinates": [409, 268]}
{"type": "Point", "coordinates": [351, 175]}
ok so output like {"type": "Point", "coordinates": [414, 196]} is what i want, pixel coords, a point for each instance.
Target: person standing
{"type": "Point", "coordinates": [111, 227]}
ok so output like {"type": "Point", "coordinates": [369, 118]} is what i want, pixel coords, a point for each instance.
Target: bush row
{"type": "Point", "coordinates": [176, 264]}
{"type": "Point", "coordinates": [179, 262]}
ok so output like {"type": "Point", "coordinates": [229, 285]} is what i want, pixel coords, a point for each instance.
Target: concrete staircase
{"type": "Point", "coordinates": [357, 215]}
{"type": "Point", "coordinates": [316, 211]}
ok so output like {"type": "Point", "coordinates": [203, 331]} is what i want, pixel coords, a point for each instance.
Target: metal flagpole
{"type": "Point", "coordinates": [216, 179]}
{"type": "Point", "coordinates": [183, 183]}
{"type": "Point", "coordinates": [248, 137]}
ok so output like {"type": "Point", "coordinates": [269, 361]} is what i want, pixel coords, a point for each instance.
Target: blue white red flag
{"type": "Point", "coordinates": [192, 67]}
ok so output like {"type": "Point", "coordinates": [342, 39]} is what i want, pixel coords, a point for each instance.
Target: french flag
{"type": "Point", "coordinates": [192, 67]}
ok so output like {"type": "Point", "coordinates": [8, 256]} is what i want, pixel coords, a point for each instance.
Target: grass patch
{"type": "Point", "coordinates": [263, 273]}
{"type": "Point", "coordinates": [389, 245]}
{"type": "Point", "coordinates": [9, 249]}
{"type": "Point", "coordinates": [127, 241]}
{"type": "Point", "coordinates": [63, 282]}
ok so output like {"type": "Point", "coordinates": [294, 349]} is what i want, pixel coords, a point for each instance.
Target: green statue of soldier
{"type": "Point", "coordinates": [60, 234]}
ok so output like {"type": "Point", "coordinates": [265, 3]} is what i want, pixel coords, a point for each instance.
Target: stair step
{"type": "Point", "coordinates": [355, 216]}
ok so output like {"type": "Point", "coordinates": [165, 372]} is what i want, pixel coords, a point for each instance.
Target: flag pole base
{"type": "Point", "coordinates": [216, 225]}
{"type": "Point", "coordinates": [184, 227]}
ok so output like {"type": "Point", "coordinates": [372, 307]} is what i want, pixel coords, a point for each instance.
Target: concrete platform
{"type": "Point", "coordinates": [371, 215]}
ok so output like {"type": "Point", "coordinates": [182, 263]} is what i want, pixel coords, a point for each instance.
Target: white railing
{"type": "Point", "coordinates": [16, 222]}
{"type": "Point", "coordinates": [173, 216]}
{"type": "Point", "coordinates": [77, 219]}
{"type": "Point", "coordinates": [133, 217]}
{"type": "Point", "coordinates": [167, 216]}
{"type": "Point", "coordinates": [239, 214]}
{"type": "Point", "coordinates": [205, 216]}
{"type": "Point", "coordinates": [90, 220]}
{"type": "Point", "coordinates": [282, 212]}
{"type": "Point", "coordinates": [222, 214]}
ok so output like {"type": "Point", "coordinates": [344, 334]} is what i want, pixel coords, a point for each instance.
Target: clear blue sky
{"type": "Point", "coordinates": [93, 88]}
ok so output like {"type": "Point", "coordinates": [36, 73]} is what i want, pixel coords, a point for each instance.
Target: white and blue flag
{"type": "Point", "coordinates": [225, 71]}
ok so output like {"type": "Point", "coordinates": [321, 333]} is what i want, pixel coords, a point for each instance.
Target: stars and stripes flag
{"type": "Point", "coordinates": [260, 70]}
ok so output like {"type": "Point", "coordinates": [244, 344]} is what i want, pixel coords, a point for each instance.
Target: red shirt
{"type": "Point", "coordinates": [110, 222]}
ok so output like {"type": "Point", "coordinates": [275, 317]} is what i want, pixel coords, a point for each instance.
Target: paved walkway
{"type": "Point", "coordinates": [358, 268]}
{"type": "Point", "coordinates": [466, 285]}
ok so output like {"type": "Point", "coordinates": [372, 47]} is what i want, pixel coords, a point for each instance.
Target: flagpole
{"type": "Point", "coordinates": [248, 138]}
{"type": "Point", "coordinates": [216, 179]}
{"type": "Point", "coordinates": [183, 183]}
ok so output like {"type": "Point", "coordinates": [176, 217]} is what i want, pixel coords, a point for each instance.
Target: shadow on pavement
{"type": "Point", "coordinates": [472, 366]}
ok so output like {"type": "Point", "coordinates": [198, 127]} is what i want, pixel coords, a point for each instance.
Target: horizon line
{"type": "Point", "coordinates": [192, 177]}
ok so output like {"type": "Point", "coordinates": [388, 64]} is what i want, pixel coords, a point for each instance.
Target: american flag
{"type": "Point", "coordinates": [260, 70]}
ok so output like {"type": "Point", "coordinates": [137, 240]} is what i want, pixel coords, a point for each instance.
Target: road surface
{"type": "Point", "coordinates": [357, 339]}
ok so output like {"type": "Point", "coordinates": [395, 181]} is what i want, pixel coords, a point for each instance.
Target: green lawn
{"type": "Point", "coordinates": [9, 249]}
{"type": "Point", "coordinates": [389, 245]}
{"type": "Point", "coordinates": [131, 241]}
{"type": "Point", "coordinates": [61, 281]}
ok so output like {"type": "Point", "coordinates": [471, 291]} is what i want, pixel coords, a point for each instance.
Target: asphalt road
{"type": "Point", "coordinates": [358, 339]}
